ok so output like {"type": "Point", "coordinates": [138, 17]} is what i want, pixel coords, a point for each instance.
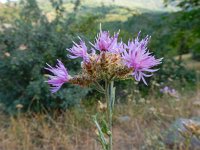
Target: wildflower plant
{"type": "Point", "coordinates": [105, 61]}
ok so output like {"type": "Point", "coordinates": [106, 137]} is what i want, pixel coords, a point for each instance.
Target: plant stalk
{"type": "Point", "coordinates": [110, 97]}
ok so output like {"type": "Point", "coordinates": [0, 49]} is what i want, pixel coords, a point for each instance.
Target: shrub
{"type": "Point", "coordinates": [27, 45]}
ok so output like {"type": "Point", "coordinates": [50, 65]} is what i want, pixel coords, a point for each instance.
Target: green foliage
{"type": "Point", "coordinates": [6, 13]}
{"type": "Point", "coordinates": [185, 4]}
{"type": "Point", "coordinates": [187, 26]}
{"type": "Point", "coordinates": [172, 71]}
{"type": "Point", "coordinates": [27, 45]}
{"type": "Point", "coordinates": [31, 40]}
{"type": "Point", "coordinates": [196, 50]}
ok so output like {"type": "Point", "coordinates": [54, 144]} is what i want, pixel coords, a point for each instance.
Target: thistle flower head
{"type": "Point", "coordinates": [105, 66]}
{"type": "Point", "coordinates": [79, 50]}
{"type": "Point", "coordinates": [137, 56]}
{"type": "Point", "coordinates": [59, 77]}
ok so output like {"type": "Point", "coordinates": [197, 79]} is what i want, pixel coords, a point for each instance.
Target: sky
{"type": "Point", "coordinates": [3, 1]}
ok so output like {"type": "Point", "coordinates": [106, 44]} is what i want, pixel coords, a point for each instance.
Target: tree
{"type": "Point", "coordinates": [184, 4]}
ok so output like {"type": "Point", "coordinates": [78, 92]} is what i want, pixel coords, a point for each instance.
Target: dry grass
{"type": "Point", "coordinates": [74, 130]}
{"type": "Point", "coordinates": [190, 63]}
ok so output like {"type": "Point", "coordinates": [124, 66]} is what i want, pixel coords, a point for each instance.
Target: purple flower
{"type": "Point", "coordinates": [79, 50]}
{"type": "Point", "coordinates": [166, 89]}
{"type": "Point", "coordinates": [60, 76]}
{"type": "Point", "coordinates": [137, 56]}
{"type": "Point", "coordinates": [104, 42]}
{"type": "Point", "coordinates": [170, 91]}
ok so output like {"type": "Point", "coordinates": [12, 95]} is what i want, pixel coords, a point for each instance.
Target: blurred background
{"type": "Point", "coordinates": [36, 32]}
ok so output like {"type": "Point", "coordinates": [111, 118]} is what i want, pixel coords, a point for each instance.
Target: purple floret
{"type": "Point", "coordinates": [59, 77]}
{"type": "Point", "coordinates": [79, 50]}
{"type": "Point", "coordinates": [106, 43]}
{"type": "Point", "coordinates": [137, 56]}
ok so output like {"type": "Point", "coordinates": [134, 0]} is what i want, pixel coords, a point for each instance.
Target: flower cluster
{"type": "Point", "coordinates": [108, 60]}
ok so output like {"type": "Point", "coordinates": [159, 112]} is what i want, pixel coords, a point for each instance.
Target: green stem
{"type": "Point", "coordinates": [99, 88]}
{"type": "Point", "coordinates": [110, 97]}
{"type": "Point", "coordinates": [101, 135]}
